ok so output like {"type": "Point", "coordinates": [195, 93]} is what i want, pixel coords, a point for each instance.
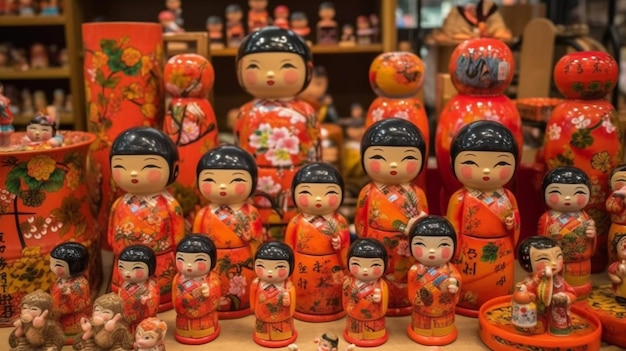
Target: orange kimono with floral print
{"type": "Point", "coordinates": [141, 300]}
{"type": "Point", "coordinates": [485, 258]}
{"type": "Point", "coordinates": [568, 230]}
{"type": "Point", "coordinates": [365, 318]}
{"type": "Point", "coordinates": [236, 234]}
{"type": "Point", "coordinates": [318, 275]}
{"type": "Point", "coordinates": [155, 221]}
{"type": "Point", "coordinates": [383, 212]}
{"type": "Point", "coordinates": [71, 300]}
{"type": "Point", "coordinates": [616, 207]}
{"type": "Point", "coordinates": [274, 320]}
{"type": "Point", "coordinates": [196, 314]}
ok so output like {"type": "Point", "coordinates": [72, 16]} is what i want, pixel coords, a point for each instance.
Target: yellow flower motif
{"type": "Point", "coordinates": [40, 167]}
{"type": "Point", "coordinates": [179, 79]}
{"type": "Point", "coordinates": [93, 112]}
{"type": "Point", "coordinates": [148, 96]}
{"type": "Point", "coordinates": [99, 59]}
{"type": "Point", "coordinates": [30, 272]}
{"type": "Point", "coordinates": [148, 110]}
{"type": "Point", "coordinates": [146, 65]}
{"type": "Point", "coordinates": [158, 52]}
{"type": "Point", "coordinates": [601, 161]}
{"type": "Point", "coordinates": [88, 92]}
{"type": "Point", "coordinates": [124, 40]}
{"type": "Point", "coordinates": [132, 91]}
{"type": "Point", "coordinates": [72, 179]}
{"type": "Point", "coordinates": [130, 56]}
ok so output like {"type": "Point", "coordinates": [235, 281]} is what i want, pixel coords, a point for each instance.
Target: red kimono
{"type": "Point", "coordinates": [236, 235]}
{"type": "Point", "coordinates": [616, 207]}
{"type": "Point", "coordinates": [365, 318]}
{"type": "Point", "coordinates": [71, 299]}
{"type": "Point", "coordinates": [196, 313]}
{"type": "Point", "coordinates": [155, 221]}
{"type": "Point", "coordinates": [320, 268]}
{"type": "Point", "coordinates": [274, 320]}
{"type": "Point", "coordinates": [383, 212]}
{"type": "Point", "coordinates": [141, 300]}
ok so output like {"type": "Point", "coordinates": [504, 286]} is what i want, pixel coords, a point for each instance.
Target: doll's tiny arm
{"type": "Point", "coordinates": [453, 214]}
{"type": "Point", "coordinates": [362, 211]}
{"type": "Point", "coordinates": [384, 296]}
{"type": "Point", "coordinates": [516, 217]}
{"type": "Point", "coordinates": [40, 321]}
{"type": "Point", "coordinates": [254, 286]}
{"type": "Point", "coordinates": [112, 222]}
{"type": "Point", "coordinates": [110, 325]}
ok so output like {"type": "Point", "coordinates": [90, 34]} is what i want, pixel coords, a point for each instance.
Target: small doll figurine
{"type": "Point", "coordinates": [234, 27]}
{"type": "Point", "coordinates": [542, 258]}
{"type": "Point", "coordinates": [6, 119]}
{"type": "Point", "coordinates": [315, 94]}
{"type": "Point", "coordinates": [167, 19]}
{"type": "Point", "coordinates": [325, 342]}
{"type": "Point", "coordinates": [140, 292]}
{"type": "Point", "coordinates": [257, 16]}
{"type": "Point", "coordinates": [484, 214]}
{"type": "Point", "coordinates": [393, 155]}
{"type": "Point", "coordinates": [281, 17]}
{"type": "Point", "coordinates": [58, 100]}
{"type": "Point", "coordinates": [227, 178]}
{"type": "Point", "coordinates": [42, 130]}
{"type": "Point", "coordinates": [617, 269]}
{"type": "Point", "coordinates": [348, 37]}
{"type": "Point", "coordinates": [49, 8]}
{"type": "Point", "coordinates": [375, 24]}
{"type": "Point", "coordinates": [273, 296]}
{"type": "Point", "coordinates": [26, 8]}
{"type": "Point", "coordinates": [215, 26]}
{"type": "Point", "coordinates": [434, 283]}
{"type": "Point", "coordinates": [144, 162]}
{"type": "Point", "coordinates": [36, 328]}
{"type": "Point", "coordinates": [197, 291]}
{"type": "Point", "coordinates": [616, 207]}
{"type": "Point", "coordinates": [176, 7]}
{"type": "Point", "coordinates": [320, 238]}
{"type": "Point", "coordinates": [71, 296]}
{"type": "Point", "coordinates": [364, 31]}
{"type": "Point", "coordinates": [566, 191]}
{"type": "Point", "coordinates": [39, 56]}
{"type": "Point", "coordinates": [299, 23]}
{"type": "Point", "coordinates": [150, 335]}
{"type": "Point", "coordinates": [107, 329]}
{"type": "Point", "coordinates": [327, 26]}
{"type": "Point", "coordinates": [365, 294]}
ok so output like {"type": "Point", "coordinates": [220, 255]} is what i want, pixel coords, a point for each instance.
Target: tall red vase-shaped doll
{"type": "Point", "coordinates": [396, 78]}
{"type": "Point", "coordinates": [144, 161]}
{"type": "Point", "coordinates": [282, 132]}
{"type": "Point", "coordinates": [197, 291]}
{"type": "Point", "coordinates": [320, 238]}
{"type": "Point", "coordinates": [567, 191]}
{"type": "Point", "coordinates": [273, 296]}
{"type": "Point", "coordinates": [392, 155]}
{"type": "Point", "coordinates": [616, 207]}
{"type": "Point", "coordinates": [584, 131]}
{"type": "Point", "coordinates": [227, 178]}
{"type": "Point", "coordinates": [190, 122]}
{"type": "Point", "coordinates": [481, 69]}
{"type": "Point", "coordinates": [484, 214]}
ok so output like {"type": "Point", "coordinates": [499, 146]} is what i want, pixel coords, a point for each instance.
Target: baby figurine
{"type": "Point", "coordinates": [234, 27]}
{"type": "Point", "coordinates": [325, 342]}
{"type": "Point", "coordinates": [150, 335]}
{"type": "Point", "coordinates": [348, 37]}
{"type": "Point", "coordinates": [300, 25]}
{"type": "Point", "coordinates": [39, 56]}
{"type": "Point", "coordinates": [107, 329]}
{"type": "Point", "coordinates": [6, 119]}
{"type": "Point", "coordinates": [168, 22]}
{"type": "Point", "coordinates": [36, 328]}
{"type": "Point", "coordinates": [41, 130]}
{"type": "Point", "coordinates": [617, 269]}
{"type": "Point", "coordinates": [281, 17]}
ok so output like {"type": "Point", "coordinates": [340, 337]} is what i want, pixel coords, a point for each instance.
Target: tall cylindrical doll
{"type": "Point", "coordinates": [392, 155]}
{"type": "Point", "coordinates": [282, 132]}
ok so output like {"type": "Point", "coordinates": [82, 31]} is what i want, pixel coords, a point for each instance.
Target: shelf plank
{"type": "Point", "coordinates": [44, 73]}
{"type": "Point", "coordinates": [13, 21]}
{"type": "Point", "coordinates": [318, 49]}
{"type": "Point", "coordinates": [21, 120]}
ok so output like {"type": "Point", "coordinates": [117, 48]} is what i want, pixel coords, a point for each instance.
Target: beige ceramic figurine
{"type": "Point", "coordinates": [107, 329]}
{"type": "Point", "coordinates": [325, 342]}
{"type": "Point", "coordinates": [36, 329]}
{"type": "Point", "coordinates": [150, 335]}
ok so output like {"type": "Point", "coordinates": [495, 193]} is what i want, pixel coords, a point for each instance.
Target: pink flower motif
{"type": "Point", "coordinates": [403, 248]}
{"type": "Point", "coordinates": [377, 114]}
{"type": "Point", "coordinates": [607, 124]}
{"type": "Point", "coordinates": [190, 132]}
{"type": "Point", "coordinates": [291, 144]}
{"type": "Point", "coordinates": [267, 185]}
{"type": "Point", "coordinates": [276, 135]}
{"type": "Point", "coordinates": [237, 285]}
{"type": "Point", "coordinates": [278, 157]}
{"type": "Point", "coordinates": [260, 137]}
{"type": "Point", "coordinates": [295, 116]}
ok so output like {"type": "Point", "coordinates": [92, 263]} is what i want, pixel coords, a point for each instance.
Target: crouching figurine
{"type": "Point", "coordinates": [35, 329]}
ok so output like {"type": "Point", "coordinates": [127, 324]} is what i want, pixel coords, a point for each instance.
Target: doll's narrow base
{"type": "Point", "coordinates": [366, 342]}
{"type": "Point", "coordinates": [275, 343]}
{"type": "Point", "coordinates": [319, 318]}
{"type": "Point", "coordinates": [198, 341]}
{"type": "Point", "coordinates": [432, 340]}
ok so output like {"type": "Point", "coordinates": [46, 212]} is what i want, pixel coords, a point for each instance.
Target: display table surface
{"type": "Point", "coordinates": [238, 332]}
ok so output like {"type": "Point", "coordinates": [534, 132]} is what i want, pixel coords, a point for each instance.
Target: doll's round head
{"type": "Point", "coordinates": [317, 189]}
{"type": "Point", "coordinates": [143, 160]}
{"type": "Point", "coordinates": [34, 304]}
{"type": "Point", "coordinates": [619, 243]}
{"type": "Point", "coordinates": [281, 11]}
{"type": "Point", "coordinates": [41, 128]}
{"type": "Point", "coordinates": [227, 175]}
{"type": "Point", "coordinates": [257, 4]}
{"type": "Point", "coordinates": [274, 63]}
{"type": "Point", "coordinates": [328, 342]}
{"type": "Point", "coordinates": [106, 307]}
{"type": "Point", "coordinates": [537, 252]}
{"type": "Point", "coordinates": [484, 155]}
{"type": "Point", "coordinates": [136, 263]}
{"type": "Point", "coordinates": [326, 10]}
{"type": "Point", "coordinates": [189, 75]}
{"type": "Point", "coordinates": [318, 86]}
{"type": "Point", "coordinates": [566, 189]}
{"type": "Point", "coordinates": [367, 259]}
{"type": "Point", "coordinates": [233, 12]}
{"type": "Point", "coordinates": [69, 259]}
{"type": "Point", "coordinates": [398, 74]}
{"type": "Point", "coordinates": [150, 332]}
{"type": "Point", "coordinates": [393, 151]}
{"type": "Point", "coordinates": [432, 240]}
{"type": "Point", "coordinates": [196, 255]}
{"type": "Point", "coordinates": [273, 262]}
{"type": "Point", "coordinates": [618, 177]}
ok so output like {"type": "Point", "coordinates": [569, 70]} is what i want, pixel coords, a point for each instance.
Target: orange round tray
{"type": "Point", "coordinates": [612, 315]}
{"type": "Point", "coordinates": [497, 332]}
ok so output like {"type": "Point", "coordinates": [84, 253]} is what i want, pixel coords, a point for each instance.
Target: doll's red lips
{"type": "Point", "coordinates": [485, 178]}
{"type": "Point", "coordinates": [223, 193]}
{"type": "Point", "coordinates": [269, 277]}
{"type": "Point", "coordinates": [128, 277]}
{"type": "Point", "coordinates": [270, 82]}
{"type": "Point", "coordinates": [566, 204]}
{"type": "Point", "coordinates": [318, 205]}
{"type": "Point", "coordinates": [135, 181]}
{"type": "Point", "coordinates": [393, 172]}
{"type": "Point", "coordinates": [189, 270]}
{"type": "Point", "coordinates": [431, 257]}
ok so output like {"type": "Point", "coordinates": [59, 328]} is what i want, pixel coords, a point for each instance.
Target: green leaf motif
{"type": "Point", "coordinates": [32, 183]}
{"type": "Point", "coordinates": [490, 253]}
{"type": "Point", "coordinates": [13, 183]}
{"type": "Point", "coordinates": [608, 85]}
{"type": "Point", "coordinates": [100, 77]}
{"type": "Point", "coordinates": [581, 139]}
{"type": "Point", "coordinates": [109, 46]}
{"type": "Point", "coordinates": [102, 100]}
{"type": "Point", "coordinates": [55, 182]}
{"type": "Point", "coordinates": [133, 70]}
{"type": "Point", "coordinates": [112, 82]}
{"type": "Point", "coordinates": [115, 62]}
{"type": "Point", "coordinates": [578, 87]}
{"type": "Point", "coordinates": [594, 85]}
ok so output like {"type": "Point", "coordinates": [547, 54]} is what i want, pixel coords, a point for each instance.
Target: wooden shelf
{"type": "Point", "coordinates": [12, 21]}
{"type": "Point", "coordinates": [44, 73]}
{"type": "Point", "coordinates": [318, 49]}
{"type": "Point", "coordinates": [23, 119]}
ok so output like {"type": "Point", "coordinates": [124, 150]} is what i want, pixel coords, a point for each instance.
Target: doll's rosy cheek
{"type": "Point", "coordinates": [258, 271]}
{"type": "Point", "coordinates": [505, 173]}
{"type": "Point", "coordinates": [377, 271]}
{"type": "Point", "coordinates": [618, 185]}
{"type": "Point", "coordinates": [139, 274]}
{"type": "Point", "coordinates": [46, 135]}
{"type": "Point", "coordinates": [466, 171]}
{"type": "Point", "coordinates": [240, 189]}
{"type": "Point", "coordinates": [282, 273]}
{"type": "Point", "coordinates": [411, 167]}
{"type": "Point", "coordinates": [581, 199]}
{"type": "Point", "coordinates": [417, 251]}
{"type": "Point", "coordinates": [205, 188]}
{"type": "Point", "coordinates": [553, 198]}
{"type": "Point", "coordinates": [446, 252]}
{"type": "Point", "coordinates": [303, 200]}
{"type": "Point", "coordinates": [354, 270]}
{"type": "Point", "coordinates": [333, 200]}
{"type": "Point", "coordinates": [117, 175]}
{"type": "Point", "coordinates": [250, 77]}
{"type": "Point", "coordinates": [179, 265]}
{"type": "Point", "coordinates": [154, 176]}
{"type": "Point", "coordinates": [290, 77]}
{"type": "Point", "coordinates": [202, 266]}
{"type": "Point", "coordinates": [375, 166]}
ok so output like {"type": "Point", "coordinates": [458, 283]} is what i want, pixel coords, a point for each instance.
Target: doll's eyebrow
{"type": "Point", "coordinates": [285, 60]}
{"type": "Point", "coordinates": [470, 155]}
{"type": "Point", "coordinates": [238, 173]}
{"type": "Point", "coordinates": [150, 159]}
{"type": "Point", "coordinates": [410, 150]}
{"type": "Point", "coordinates": [504, 155]}
{"type": "Point", "coordinates": [305, 186]}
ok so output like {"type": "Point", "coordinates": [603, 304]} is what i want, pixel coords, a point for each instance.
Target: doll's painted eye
{"type": "Point", "coordinates": [419, 243]}
{"type": "Point", "coordinates": [555, 191]}
{"type": "Point", "coordinates": [287, 66]}
{"type": "Point", "coordinates": [253, 66]}
{"type": "Point", "coordinates": [469, 162]}
{"type": "Point", "coordinates": [409, 158]}
{"type": "Point", "coordinates": [580, 192]}
{"type": "Point", "coordinates": [305, 192]}
{"type": "Point", "coordinates": [376, 265]}
{"type": "Point", "coordinates": [355, 264]}
{"type": "Point", "coordinates": [377, 157]}
{"type": "Point", "coordinates": [150, 166]}
{"type": "Point", "coordinates": [137, 267]}
{"type": "Point", "coordinates": [332, 192]}
{"type": "Point", "coordinates": [237, 180]}
{"type": "Point", "coordinates": [502, 163]}
{"type": "Point", "coordinates": [281, 266]}
{"type": "Point", "coordinates": [444, 244]}
{"type": "Point", "coordinates": [210, 180]}
{"type": "Point", "coordinates": [260, 265]}
{"type": "Point", "coordinates": [200, 259]}
{"type": "Point", "coordinates": [119, 166]}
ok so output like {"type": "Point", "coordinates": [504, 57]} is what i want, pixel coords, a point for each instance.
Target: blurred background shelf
{"type": "Point", "coordinates": [44, 73]}
{"type": "Point", "coordinates": [15, 21]}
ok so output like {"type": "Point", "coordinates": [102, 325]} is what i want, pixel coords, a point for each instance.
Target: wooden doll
{"type": "Point", "coordinates": [6, 119]}
{"type": "Point", "coordinates": [49, 8]}
{"type": "Point", "coordinates": [176, 7]}
{"type": "Point", "coordinates": [144, 161]}
{"type": "Point", "coordinates": [375, 25]}
{"type": "Point", "coordinates": [365, 294]}
{"type": "Point", "coordinates": [393, 155]}
{"type": "Point", "coordinates": [281, 17]}
{"type": "Point", "coordinates": [215, 28]}
{"type": "Point", "coordinates": [299, 23]}
{"type": "Point", "coordinates": [617, 269]}
{"type": "Point", "coordinates": [348, 37]}
{"type": "Point", "coordinates": [616, 207]}
{"type": "Point", "coordinates": [36, 327]}
{"type": "Point", "coordinates": [325, 342]}
{"type": "Point", "coordinates": [71, 296]}
{"type": "Point", "coordinates": [484, 214]}
{"type": "Point", "coordinates": [327, 32]}
{"type": "Point", "coordinates": [136, 265]}
{"type": "Point", "coordinates": [234, 26]}
{"type": "Point", "coordinates": [107, 329]}
{"type": "Point", "coordinates": [273, 296]}
{"type": "Point", "coordinates": [566, 192]}
{"type": "Point", "coordinates": [42, 131]}
{"type": "Point", "coordinates": [167, 19]}
{"type": "Point", "coordinates": [364, 31]}
{"type": "Point", "coordinates": [542, 258]}
{"type": "Point", "coordinates": [39, 56]}
{"type": "Point", "coordinates": [150, 335]}
{"type": "Point", "coordinates": [320, 239]}
{"type": "Point", "coordinates": [433, 281]}
{"type": "Point", "coordinates": [227, 177]}
{"type": "Point", "coordinates": [257, 16]}
{"type": "Point", "coordinates": [282, 132]}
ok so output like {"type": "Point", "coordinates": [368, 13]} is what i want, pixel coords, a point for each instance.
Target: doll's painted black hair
{"type": "Point", "coordinates": [198, 243]}
{"type": "Point", "coordinates": [619, 168]}
{"type": "Point", "coordinates": [536, 242]}
{"type": "Point", "coordinates": [368, 248]}
{"type": "Point", "coordinates": [317, 172]}
{"type": "Point", "coordinates": [276, 251]}
{"type": "Point", "coordinates": [140, 253]}
{"type": "Point", "coordinates": [43, 120]}
{"type": "Point", "coordinates": [228, 157]}
{"type": "Point", "coordinates": [565, 175]}
{"type": "Point", "coordinates": [75, 254]}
